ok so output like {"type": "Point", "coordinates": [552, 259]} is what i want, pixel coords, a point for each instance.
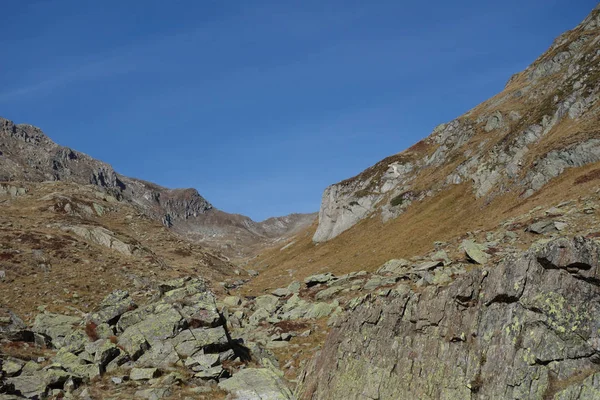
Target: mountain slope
{"type": "Point", "coordinates": [28, 155]}
{"type": "Point", "coordinates": [535, 144]}
{"type": "Point", "coordinates": [543, 123]}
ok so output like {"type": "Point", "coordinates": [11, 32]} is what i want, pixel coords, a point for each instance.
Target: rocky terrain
{"type": "Point", "coordinates": [466, 267]}
{"type": "Point", "coordinates": [28, 155]}
{"type": "Point", "coordinates": [526, 328]}
{"type": "Point", "coordinates": [467, 302]}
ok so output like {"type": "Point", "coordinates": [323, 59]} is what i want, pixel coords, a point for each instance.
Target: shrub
{"type": "Point", "coordinates": [398, 200]}
{"type": "Point", "coordinates": [90, 331]}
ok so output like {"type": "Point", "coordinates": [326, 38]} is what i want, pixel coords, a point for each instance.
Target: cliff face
{"type": "Point", "coordinates": [525, 329]}
{"type": "Point", "coordinates": [544, 122]}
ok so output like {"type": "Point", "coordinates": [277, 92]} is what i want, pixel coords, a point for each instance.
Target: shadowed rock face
{"type": "Point", "coordinates": [528, 328]}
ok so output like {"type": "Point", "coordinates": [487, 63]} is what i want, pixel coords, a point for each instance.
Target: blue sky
{"type": "Point", "coordinates": [260, 105]}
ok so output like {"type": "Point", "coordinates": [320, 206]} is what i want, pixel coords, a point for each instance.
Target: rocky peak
{"type": "Point", "coordinates": [23, 132]}
{"type": "Point", "coordinates": [181, 204]}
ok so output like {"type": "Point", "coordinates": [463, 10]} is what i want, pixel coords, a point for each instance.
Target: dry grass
{"type": "Point", "coordinates": [24, 351]}
{"type": "Point", "coordinates": [301, 349]}
{"type": "Point", "coordinates": [47, 266]}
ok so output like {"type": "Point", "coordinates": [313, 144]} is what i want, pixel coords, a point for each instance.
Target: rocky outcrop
{"type": "Point", "coordinates": [526, 328]}
{"type": "Point", "coordinates": [259, 383]}
{"type": "Point", "coordinates": [542, 124]}
{"type": "Point", "coordinates": [179, 337]}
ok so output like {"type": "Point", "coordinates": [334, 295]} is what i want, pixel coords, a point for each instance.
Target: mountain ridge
{"type": "Point", "coordinates": [28, 154]}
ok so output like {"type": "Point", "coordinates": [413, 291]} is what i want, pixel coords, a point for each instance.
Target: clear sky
{"type": "Point", "coordinates": [260, 104]}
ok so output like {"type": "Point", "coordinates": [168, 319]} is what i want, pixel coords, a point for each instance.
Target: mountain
{"type": "Point", "coordinates": [535, 143]}
{"type": "Point", "coordinates": [465, 267]}
{"type": "Point", "coordinates": [28, 155]}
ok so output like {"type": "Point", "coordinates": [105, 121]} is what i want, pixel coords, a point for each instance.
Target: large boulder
{"type": "Point", "coordinates": [528, 328]}
{"type": "Point", "coordinates": [256, 383]}
{"type": "Point", "coordinates": [164, 324]}
{"type": "Point", "coordinates": [319, 278]}
{"type": "Point", "coordinates": [112, 307]}
{"type": "Point", "coordinates": [394, 267]}
{"type": "Point", "coordinates": [475, 252]}
{"type": "Point", "coordinates": [12, 327]}
{"type": "Point", "coordinates": [55, 326]}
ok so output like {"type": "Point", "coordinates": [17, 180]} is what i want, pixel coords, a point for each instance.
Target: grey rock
{"type": "Point", "coordinates": [11, 366]}
{"type": "Point", "coordinates": [232, 301]}
{"type": "Point", "coordinates": [102, 237]}
{"type": "Point", "coordinates": [134, 343]}
{"type": "Point", "coordinates": [294, 287]}
{"type": "Point", "coordinates": [556, 162]}
{"type": "Point", "coordinates": [117, 362]}
{"type": "Point", "coordinates": [161, 355]}
{"type": "Point", "coordinates": [442, 256]}
{"type": "Point", "coordinates": [474, 252]}
{"type": "Point", "coordinates": [394, 267]}
{"type": "Point", "coordinates": [267, 302]}
{"type": "Point", "coordinates": [153, 393]}
{"type": "Point", "coordinates": [319, 278]}
{"type": "Point", "coordinates": [55, 326]}
{"type": "Point", "coordinates": [202, 361]}
{"type": "Point", "coordinates": [140, 374]}
{"type": "Point", "coordinates": [12, 327]}
{"type": "Point", "coordinates": [378, 281]}
{"type": "Point", "coordinates": [190, 341]}
{"type": "Point", "coordinates": [112, 307]}
{"type": "Point", "coordinates": [541, 227]}
{"type": "Point", "coordinates": [321, 309]}
{"type": "Point", "coordinates": [259, 315]}
{"type": "Point", "coordinates": [256, 383]}
{"type": "Point", "coordinates": [106, 352]}
{"type": "Point", "coordinates": [29, 386]}
{"type": "Point", "coordinates": [104, 331]}
{"type": "Point", "coordinates": [210, 373]}
{"type": "Point", "coordinates": [328, 293]}
{"type": "Point", "coordinates": [75, 341]}
{"type": "Point", "coordinates": [165, 323]}
{"type": "Point", "coordinates": [177, 283]}
{"type": "Point", "coordinates": [427, 266]}
{"type": "Point", "coordinates": [495, 121]}
{"type": "Point", "coordinates": [281, 292]}
{"type": "Point", "coordinates": [116, 380]}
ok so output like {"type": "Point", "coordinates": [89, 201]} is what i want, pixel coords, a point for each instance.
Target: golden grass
{"type": "Point", "coordinates": [447, 216]}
